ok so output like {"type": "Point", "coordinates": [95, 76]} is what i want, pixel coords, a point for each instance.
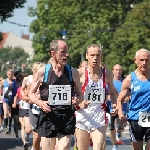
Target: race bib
{"type": "Point", "coordinates": [35, 109]}
{"type": "Point", "coordinates": [95, 94]}
{"type": "Point", "coordinates": [144, 119]}
{"type": "Point", "coordinates": [59, 95]}
{"type": "Point", "coordinates": [24, 105]}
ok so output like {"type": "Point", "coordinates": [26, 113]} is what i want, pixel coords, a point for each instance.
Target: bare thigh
{"type": "Point", "coordinates": [99, 138]}
{"type": "Point", "coordinates": [27, 125]}
{"type": "Point", "coordinates": [48, 143]}
{"type": "Point", "coordinates": [7, 110]}
{"type": "Point", "coordinates": [83, 139]}
{"type": "Point", "coordinates": [64, 142]}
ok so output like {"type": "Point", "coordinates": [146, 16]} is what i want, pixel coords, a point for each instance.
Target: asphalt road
{"type": "Point", "coordinates": [7, 142]}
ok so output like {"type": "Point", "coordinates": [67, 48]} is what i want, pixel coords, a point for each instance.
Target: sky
{"type": "Point", "coordinates": [20, 17]}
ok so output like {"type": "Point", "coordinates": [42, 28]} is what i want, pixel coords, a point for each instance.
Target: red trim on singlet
{"type": "Point", "coordinates": [86, 80]}
{"type": "Point", "coordinates": [104, 86]}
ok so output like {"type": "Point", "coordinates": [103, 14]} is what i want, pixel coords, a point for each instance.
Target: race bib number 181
{"type": "Point", "coordinates": [144, 119]}
{"type": "Point", "coordinates": [94, 94]}
{"type": "Point", "coordinates": [59, 95]}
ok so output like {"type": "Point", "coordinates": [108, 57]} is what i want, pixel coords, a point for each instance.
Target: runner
{"type": "Point", "coordinates": [93, 120]}
{"type": "Point", "coordinates": [115, 135]}
{"type": "Point", "coordinates": [6, 102]}
{"type": "Point", "coordinates": [18, 98]}
{"type": "Point", "coordinates": [14, 111]}
{"type": "Point", "coordinates": [34, 111]}
{"type": "Point", "coordinates": [139, 106]}
{"type": "Point", "coordinates": [1, 106]}
{"type": "Point", "coordinates": [82, 64]}
{"type": "Point", "coordinates": [61, 78]}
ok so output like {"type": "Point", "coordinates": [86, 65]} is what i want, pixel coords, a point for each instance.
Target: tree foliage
{"type": "Point", "coordinates": [7, 7]}
{"type": "Point", "coordinates": [133, 35]}
{"type": "Point", "coordinates": [10, 56]}
{"type": "Point", "coordinates": [85, 23]}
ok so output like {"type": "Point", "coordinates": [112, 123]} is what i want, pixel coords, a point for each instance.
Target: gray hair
{"type": "Point", "coordinates": [142, 50]}
{"type": "Point", "coordinates": [54, 45]}
{"type": "Point", "coordinates": [94, 45]}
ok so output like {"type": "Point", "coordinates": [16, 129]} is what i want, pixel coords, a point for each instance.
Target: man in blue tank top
{"type": "Point", "coordinates": [57, 119]}
{"type": "Point", "coordinates": [139, 105]}
{"type": "Point", "coordinates": [116, 136]}
{"type": "Point", "coordinates": [6, 102]}
{"type": "Point", "coordinates": [13, 89]}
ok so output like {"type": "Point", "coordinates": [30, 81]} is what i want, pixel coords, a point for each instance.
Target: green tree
{"type": "Point", "coordinates": [133, 35]}
{"type": "Point", "coordinates": [12, 58]}
{"type": "Point", "coordinates": [85, 23]}
{"type": "Point", "coordinates": [7, 7]}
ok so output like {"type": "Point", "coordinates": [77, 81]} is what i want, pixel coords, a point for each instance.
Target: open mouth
{"type": "Point", "coordinates": [64, 59]}
{"type": "Point", "coordinates": [94, 63]}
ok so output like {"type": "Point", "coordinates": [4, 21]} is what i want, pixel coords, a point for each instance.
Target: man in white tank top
{"type": "Point", "coordinates": [92, 121]}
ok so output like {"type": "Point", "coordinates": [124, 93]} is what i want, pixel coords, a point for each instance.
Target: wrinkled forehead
{"type": "Point", "coordinates": [62, 45]}
{"type": "Point", "coordinates": [9, 72]}
{"type": "Point", "coordinates": [94, 50]}
{"type": "Point", "coordinates": [144, 55]}
{"type": "Point", "coordinates": [117, 67]}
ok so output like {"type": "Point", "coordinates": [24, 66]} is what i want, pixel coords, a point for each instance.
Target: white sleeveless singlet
{"type": "Point", "coordinates": [94, 116]}
{"type": "Point", "coordinates": [24, 104]}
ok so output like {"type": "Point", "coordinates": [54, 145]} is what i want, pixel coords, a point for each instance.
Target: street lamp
{"type": "Point", "coordinates": [64, 34]}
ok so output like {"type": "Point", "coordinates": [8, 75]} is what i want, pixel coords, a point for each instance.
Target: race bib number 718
{"type": "Point", "coordinates": [59, 95]}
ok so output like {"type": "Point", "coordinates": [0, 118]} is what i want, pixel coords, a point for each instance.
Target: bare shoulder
{"type": "Point", "coordinates": [39, 74]}
{"type": "Point", "coordinates": [25, 79]}
{"type": "Point", "coordinates": [127, 81]}
{"type": "Point", "coordinates": [81, 71]}
{"type": "Point", "coordinates": [2, 82]}
{"type": "Point", "coordinates": [41, 71]}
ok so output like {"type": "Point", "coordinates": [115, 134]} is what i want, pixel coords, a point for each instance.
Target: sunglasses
{"type": "Point", "coordinates": [19, 75]}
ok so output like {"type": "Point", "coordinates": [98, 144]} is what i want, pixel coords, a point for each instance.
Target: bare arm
{"type": "Point", "coordinates": [78, 88]}
{"type": "Point", "coordinates": [1, 86]}
{"type": "Point", "coordinates": [112, 90]}
{"type": "Point", "coordinates": [15, 101]}
{"type": "Point", "coordinates": [38, 79]}
{"type": "Point", "coordinates": [23, 89]}
{"type": "Point", "coordinates": [7, 92]}
{"type": "Point", "coordinates": [124, 91]}
{"type": "Point", "coordinates": [81, 71]}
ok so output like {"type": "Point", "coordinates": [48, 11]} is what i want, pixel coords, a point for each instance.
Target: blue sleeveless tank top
{"type": "Point", "coordinates": [140, 97]}
{"type": "Point", "coordinates": [118, 85]}
{"type": "Point", "coordinates": [5, 88]}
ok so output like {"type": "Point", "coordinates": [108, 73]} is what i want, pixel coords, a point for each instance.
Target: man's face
{"type": "Point", "coordinates": [142, 61]}
{"type": "Point", "coordinates": [19, 77]}
{"type": "Point", "coordinates": [61, 54]}
{"type": "Point", "coordinates": [93, 56]}
{"type": "Point", "coordinates": [117, 71]}
{"type": "Point", "coordinates": [9, 74]}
